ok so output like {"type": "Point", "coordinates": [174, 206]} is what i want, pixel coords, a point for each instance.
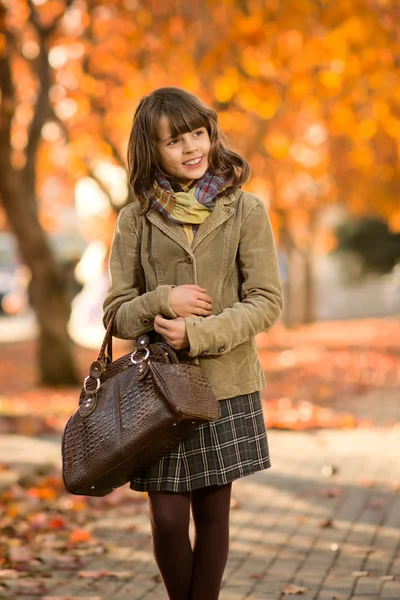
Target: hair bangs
{"type": "Point", "coordinates": [184, 118]}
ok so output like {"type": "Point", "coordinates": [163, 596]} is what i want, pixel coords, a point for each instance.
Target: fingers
{"type": "Point", "coordinates": [204, 298]}
{"type": "Point", "coordinates": [201, 295]}
{"type": "Point", "coordinates": [161, 324]}
{"type": "Point", "coordinates": [204, 304]}
{"type": "Point", "coordinates": [202, 309]}
{"type": "Point", "coordinates": [201, 292]}
{"type": "Point", "coordinates": [200, 312]}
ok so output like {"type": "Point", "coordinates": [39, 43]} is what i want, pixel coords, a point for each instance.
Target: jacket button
{"type": "Point", "coordinates": [189, 259]}
{"type": "Point", "coordinates": [146, 321]}
{"type": "Point", "coordinates": [221, 349]}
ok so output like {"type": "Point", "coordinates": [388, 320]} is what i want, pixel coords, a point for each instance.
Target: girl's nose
{"type": "Point", "coordinates": [189, 145]}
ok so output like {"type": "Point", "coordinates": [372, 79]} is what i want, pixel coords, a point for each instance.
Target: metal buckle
{"type": "Point", "coordinates": [146, 356]}
{"type": "Point", "coordinates": [97, 384]}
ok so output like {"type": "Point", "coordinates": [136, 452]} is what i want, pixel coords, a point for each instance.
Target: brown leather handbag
{"type": "Point", "coordinates": [131, 412]}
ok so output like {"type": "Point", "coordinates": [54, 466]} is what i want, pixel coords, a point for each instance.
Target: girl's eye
{"type": "Point", "coordinates": [200, 132]}
{"type": "Point", "coordinates": [172, 142]}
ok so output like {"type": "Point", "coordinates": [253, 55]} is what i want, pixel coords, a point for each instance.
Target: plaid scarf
{"type": "Point", "coordinates": [206, 191]}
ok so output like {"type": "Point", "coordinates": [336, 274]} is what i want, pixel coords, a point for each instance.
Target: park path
{"type": "Point", "coordinates": [322, 524]}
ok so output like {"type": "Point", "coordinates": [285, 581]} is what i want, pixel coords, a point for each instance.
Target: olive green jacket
{"type": "Point", "coordinates": [233, 257]}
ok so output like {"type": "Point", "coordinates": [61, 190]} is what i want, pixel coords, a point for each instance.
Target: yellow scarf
{"type": "Point", "coordinates": [187, 209]}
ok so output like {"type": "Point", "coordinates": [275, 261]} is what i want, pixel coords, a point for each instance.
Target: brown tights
{"type": "Point", "coordinates": [191, 573]}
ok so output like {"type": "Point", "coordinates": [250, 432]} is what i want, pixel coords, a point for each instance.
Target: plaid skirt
{"type": "Point", "coordinates": [214, 454]}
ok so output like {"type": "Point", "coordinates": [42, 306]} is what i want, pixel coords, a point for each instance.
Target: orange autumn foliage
{"type": "Point", "coordinates": [308, 92]}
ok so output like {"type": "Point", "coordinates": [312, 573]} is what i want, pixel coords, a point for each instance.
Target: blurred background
{"type": "Point", "coordinates": [307, 91]}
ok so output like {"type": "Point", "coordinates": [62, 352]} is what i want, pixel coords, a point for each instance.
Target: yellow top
{"type": "Point", "coordinates": [189, 210]}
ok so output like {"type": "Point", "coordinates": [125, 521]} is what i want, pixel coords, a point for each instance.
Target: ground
{"type": "Point", "coordinates": [322, 523]}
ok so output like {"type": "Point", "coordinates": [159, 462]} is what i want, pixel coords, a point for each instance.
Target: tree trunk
{"type": "Point", "coordinates": [287, 249]}
{"type": "Point", "coordinates": [18, 193]}
{"type": "Point", "coordinates": [308, 292]}
{"type": "Point", "coordinates": [309, 276]}
{"type": "Point", "coordinates": [47, 289]}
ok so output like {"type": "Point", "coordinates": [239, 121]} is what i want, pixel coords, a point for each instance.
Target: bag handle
{"type": "Point", "coordinates": [106, 347]}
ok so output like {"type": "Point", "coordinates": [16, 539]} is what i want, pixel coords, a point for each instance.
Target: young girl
{"type": "Point", "coordinates": [194, 260]}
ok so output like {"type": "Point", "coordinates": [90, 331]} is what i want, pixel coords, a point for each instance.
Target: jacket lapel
{"type": "Point", "coordinates": [171, 229]}
{"type": "Point", "coordinates": [221, 213]}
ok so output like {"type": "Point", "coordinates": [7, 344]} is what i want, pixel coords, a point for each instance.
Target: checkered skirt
{"type": "Point", "coordinates": [214, 454]}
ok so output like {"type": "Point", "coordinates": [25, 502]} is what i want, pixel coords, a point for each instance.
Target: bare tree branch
{"type": "Point", "coordinates": [7, 106]}
{"type": "Point", "coordinates": [35, 19]}
{"type": "Point", "coordinates": [40, 115]}
{"type": "Point", "coordinates": [42, 108]}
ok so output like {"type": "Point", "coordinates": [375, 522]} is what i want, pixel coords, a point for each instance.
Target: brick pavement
{"type": "Point", "coordinates": [335, 536]}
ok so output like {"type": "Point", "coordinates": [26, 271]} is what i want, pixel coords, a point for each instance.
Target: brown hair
{"type": "Point", "coordinates": [186, 113]}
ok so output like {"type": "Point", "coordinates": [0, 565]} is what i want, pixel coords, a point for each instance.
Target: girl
{"type": "Point", "coordinates": [194, 260]}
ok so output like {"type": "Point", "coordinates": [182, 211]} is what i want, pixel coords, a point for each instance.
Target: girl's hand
{"type": "Point", "coordinates": [173, 331]}
{"type": "Point", "coordinates": [190, 301]}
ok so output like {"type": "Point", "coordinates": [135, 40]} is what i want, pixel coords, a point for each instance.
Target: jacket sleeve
{"type": "Point", "coordinates": [261, 293]}
{"type": "Point", "coordinates": [139, 308]}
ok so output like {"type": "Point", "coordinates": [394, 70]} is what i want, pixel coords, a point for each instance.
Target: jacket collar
{"type": "Point", "coordinates": [224, 208]}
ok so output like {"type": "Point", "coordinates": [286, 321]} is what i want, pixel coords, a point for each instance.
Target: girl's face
{"type": "Point", "coordinates": [186, 157]}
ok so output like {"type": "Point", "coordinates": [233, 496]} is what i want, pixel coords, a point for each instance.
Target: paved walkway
{"type": "Point", "coordinates": [323, 523]}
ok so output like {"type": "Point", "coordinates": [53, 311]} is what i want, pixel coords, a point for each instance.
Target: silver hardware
{"type": "Point", "coordinates": [92, 488]}
{"type": "Point", "coordinates": [173, 424]}
{"type": "Point", "coordinates": [193, 422]}
{"type": "Point", "coordinates": [86, 380]}
{"type": "Point", "coordinates": [146, 356]}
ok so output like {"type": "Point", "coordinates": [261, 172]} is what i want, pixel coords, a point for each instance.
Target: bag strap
{"type": "Point", "coordinates": [106, 347]}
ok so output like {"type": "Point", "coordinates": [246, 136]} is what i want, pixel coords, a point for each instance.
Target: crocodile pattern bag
{"type": "Point", "coordinates": [131, 412]}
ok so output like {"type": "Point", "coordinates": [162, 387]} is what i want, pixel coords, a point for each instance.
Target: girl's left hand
{"type": "Point", "coordinates": [173, 331]}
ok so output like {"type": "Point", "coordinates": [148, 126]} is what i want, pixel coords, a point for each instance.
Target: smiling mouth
{"type": "Point", "coordinates": [193, 162]}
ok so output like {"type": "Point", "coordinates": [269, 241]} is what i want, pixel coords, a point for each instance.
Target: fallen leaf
{"type": "Point", "coordinates": [291, 589]}
{"type": "Point", "coordinates": [103, 573]}
{"type": "Point", "coordinates": [38, 521]}
{"type": "Point", "coordinates": [64, 561]}
{"type": "Point", "coordinates": [326, 523]}
{"type": "Point", "coordinates": [120, 574]}
{"type": "Point", "coordinates": [30, 588]}
{"type": "Point", "coordinates": [57, 523]}
{"type": "Point", "coordinates": [9, 574]}
{"type": "Point", "coordinates": [388, 578]}
{"type": "Point", "coordinates": [360, 573]}
{"type": "Point", "coordinates": [80, 535]}
{"type": "Point", "coordinates": [92, 574]}
{"type": "Point", "coordinates": [44, 493]}
{"type": "Point", "coordinates": [20, 554]}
